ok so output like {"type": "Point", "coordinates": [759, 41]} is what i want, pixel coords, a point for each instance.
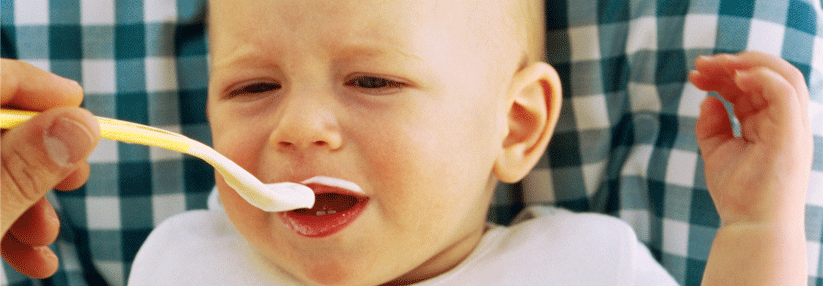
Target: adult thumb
{"type": "Point", "coordinates": [39, 154]}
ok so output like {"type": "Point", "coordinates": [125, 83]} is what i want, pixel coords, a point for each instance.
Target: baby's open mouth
{"type": "Point", "coordinates": [329, 203]}
{"type": "Point", "coordinates": [337, 203]}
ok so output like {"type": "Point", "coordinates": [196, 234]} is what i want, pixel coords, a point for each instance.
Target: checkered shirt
{"type": "Point", "coordinates": [624, 145]}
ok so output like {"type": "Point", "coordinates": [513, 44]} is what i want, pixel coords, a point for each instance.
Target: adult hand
{"type": "Point", "coordinates": [49, 151]}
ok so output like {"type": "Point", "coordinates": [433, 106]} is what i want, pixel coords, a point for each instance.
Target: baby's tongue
{"type": "Point", "coordinates": [329, 203]}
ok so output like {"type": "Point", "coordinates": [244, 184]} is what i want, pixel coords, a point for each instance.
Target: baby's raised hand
{"type": "Point", "coordinates": [757, 181]}
{"type": "Point", "coordinates": [762, 176]}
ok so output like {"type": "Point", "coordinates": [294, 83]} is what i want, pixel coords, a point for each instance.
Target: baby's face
{"type": "Point", "coordinates": [403, 98]}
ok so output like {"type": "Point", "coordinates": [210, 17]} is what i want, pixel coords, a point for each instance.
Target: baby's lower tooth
{"type": "Point", "coordinates": [328, 212]}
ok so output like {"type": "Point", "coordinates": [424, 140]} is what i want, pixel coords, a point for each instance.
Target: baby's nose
{"type": "Point", "coordinates": [306, 124]}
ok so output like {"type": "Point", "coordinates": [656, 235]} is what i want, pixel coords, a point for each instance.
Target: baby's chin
{"type": "Point", "coordinates": [343, 274]}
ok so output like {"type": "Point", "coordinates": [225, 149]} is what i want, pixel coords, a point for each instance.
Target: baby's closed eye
{"type": "Point", "coordinates": [374, 84]}
{"type": "Point", "coordinates": [255, 88]}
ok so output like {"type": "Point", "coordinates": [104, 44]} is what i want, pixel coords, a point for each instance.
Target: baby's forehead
{"type": "Point", "coordinates": [439, 32]}
{"type": "Point", "coordinates": [488, 14]}
{"type": "Point", "coordinates": [465, 20]}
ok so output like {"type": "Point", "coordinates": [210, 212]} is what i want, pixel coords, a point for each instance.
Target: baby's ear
{"type": "Point", "coordinates": [533, 104]}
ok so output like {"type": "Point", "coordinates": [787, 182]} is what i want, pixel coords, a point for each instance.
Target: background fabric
{"type": "Point", "coordinates": [625, 144]}
{"type": "Point", "coordinates": [141, 61]}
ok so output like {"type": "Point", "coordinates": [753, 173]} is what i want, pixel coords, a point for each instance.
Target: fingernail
{"type": "Point", "coordinates": [67, 141]}
{"type": "Point", "coordinates": [740, 73]}
{"type": "Point", "coordinates": [45, 252]}
{"type": "Point", "coordinates": [68, 84]}
{"type": "Point", "coordinates": [730, 57]}
{"type": "Point", "coordinates": [52, 215]}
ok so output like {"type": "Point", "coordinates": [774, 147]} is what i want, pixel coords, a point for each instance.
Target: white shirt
{"type": "Point", "coordinates": [554, 247]}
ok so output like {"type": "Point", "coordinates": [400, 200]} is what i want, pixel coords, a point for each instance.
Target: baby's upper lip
{"type": "Point", "coordinates": [324, 184]}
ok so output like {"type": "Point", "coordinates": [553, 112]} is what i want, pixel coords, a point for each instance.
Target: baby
{"type": "Point", "coordinates": [402, 116]}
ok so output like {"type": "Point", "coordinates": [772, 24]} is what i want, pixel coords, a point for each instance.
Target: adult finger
{"type": "Point", "coordinates": [28, 87]}
{"type": "Point", "coordinates": [41, 153]}
{"type": "Point", "coordinates": [38, 226]}
{"type": "Point", "coordinates": [37, 262]}
{"type": "Point", "coordinates": [25, 246]}
{"type": "Point", "coordinates": [75, 179]}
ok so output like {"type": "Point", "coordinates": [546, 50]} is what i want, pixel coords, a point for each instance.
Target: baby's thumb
{"type": "Point", "coordinates": [39, 154]}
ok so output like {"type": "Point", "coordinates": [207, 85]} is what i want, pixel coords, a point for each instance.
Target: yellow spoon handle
{"type": "Point", "coordinates": [282, 197]}
{"type": "Point", "coordinates": [114, 129]}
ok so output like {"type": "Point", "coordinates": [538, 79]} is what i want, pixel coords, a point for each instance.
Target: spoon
{"type": "Point", "coordinates": [276, 197]}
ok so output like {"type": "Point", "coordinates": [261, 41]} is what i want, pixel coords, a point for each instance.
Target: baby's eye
{"type": "Point", "coordinates": [372, 84]}
{"type": "Point", "coordinates": [255, 88]}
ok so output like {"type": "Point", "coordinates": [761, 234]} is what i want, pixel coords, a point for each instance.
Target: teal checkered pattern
{"type": "Point", "coordinates": [624, 146]}
{"type": "Point", "coordinates": [142, 61]}
{"type": "Point", "coordinates": [625, 142]}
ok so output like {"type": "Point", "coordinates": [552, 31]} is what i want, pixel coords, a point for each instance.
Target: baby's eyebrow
{"type": "Point", "coordinates": [346, 52]}
{"type": "Point", "coordinates": [238, 55]}
{"type": "Point", "coordinates": [376, 50]}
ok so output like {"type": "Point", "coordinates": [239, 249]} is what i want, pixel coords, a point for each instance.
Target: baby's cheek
{"type": "Point", "coordinates": [392, 166]}
{"type": "Point", "coordinates": [413, 179]}
{"type": "Point", "coordinates": [242, 146]}
{"type": "Point", "coordinates": [250, 221]}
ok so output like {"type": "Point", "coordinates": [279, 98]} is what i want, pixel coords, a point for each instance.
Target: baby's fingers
{"type": "Point", "coordinates": [771, 108]}
{"type": "Point", "coordinates": [716, 73]}
{"type": "Point", "coordinates": [713, 127]}
{"type": "Point", "coordinates": [785, 69]}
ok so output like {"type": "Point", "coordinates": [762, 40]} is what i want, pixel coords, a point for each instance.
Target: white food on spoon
{"type": "Point", "coordinates": [334, 182]}
{"type": "Point", "coordinates": [277, 197]}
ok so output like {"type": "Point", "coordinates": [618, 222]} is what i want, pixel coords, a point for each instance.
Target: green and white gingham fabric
{"type": "Point", "coordinates": [142, 61]}
{"type": "Point", "coordinates": [625, 144]}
